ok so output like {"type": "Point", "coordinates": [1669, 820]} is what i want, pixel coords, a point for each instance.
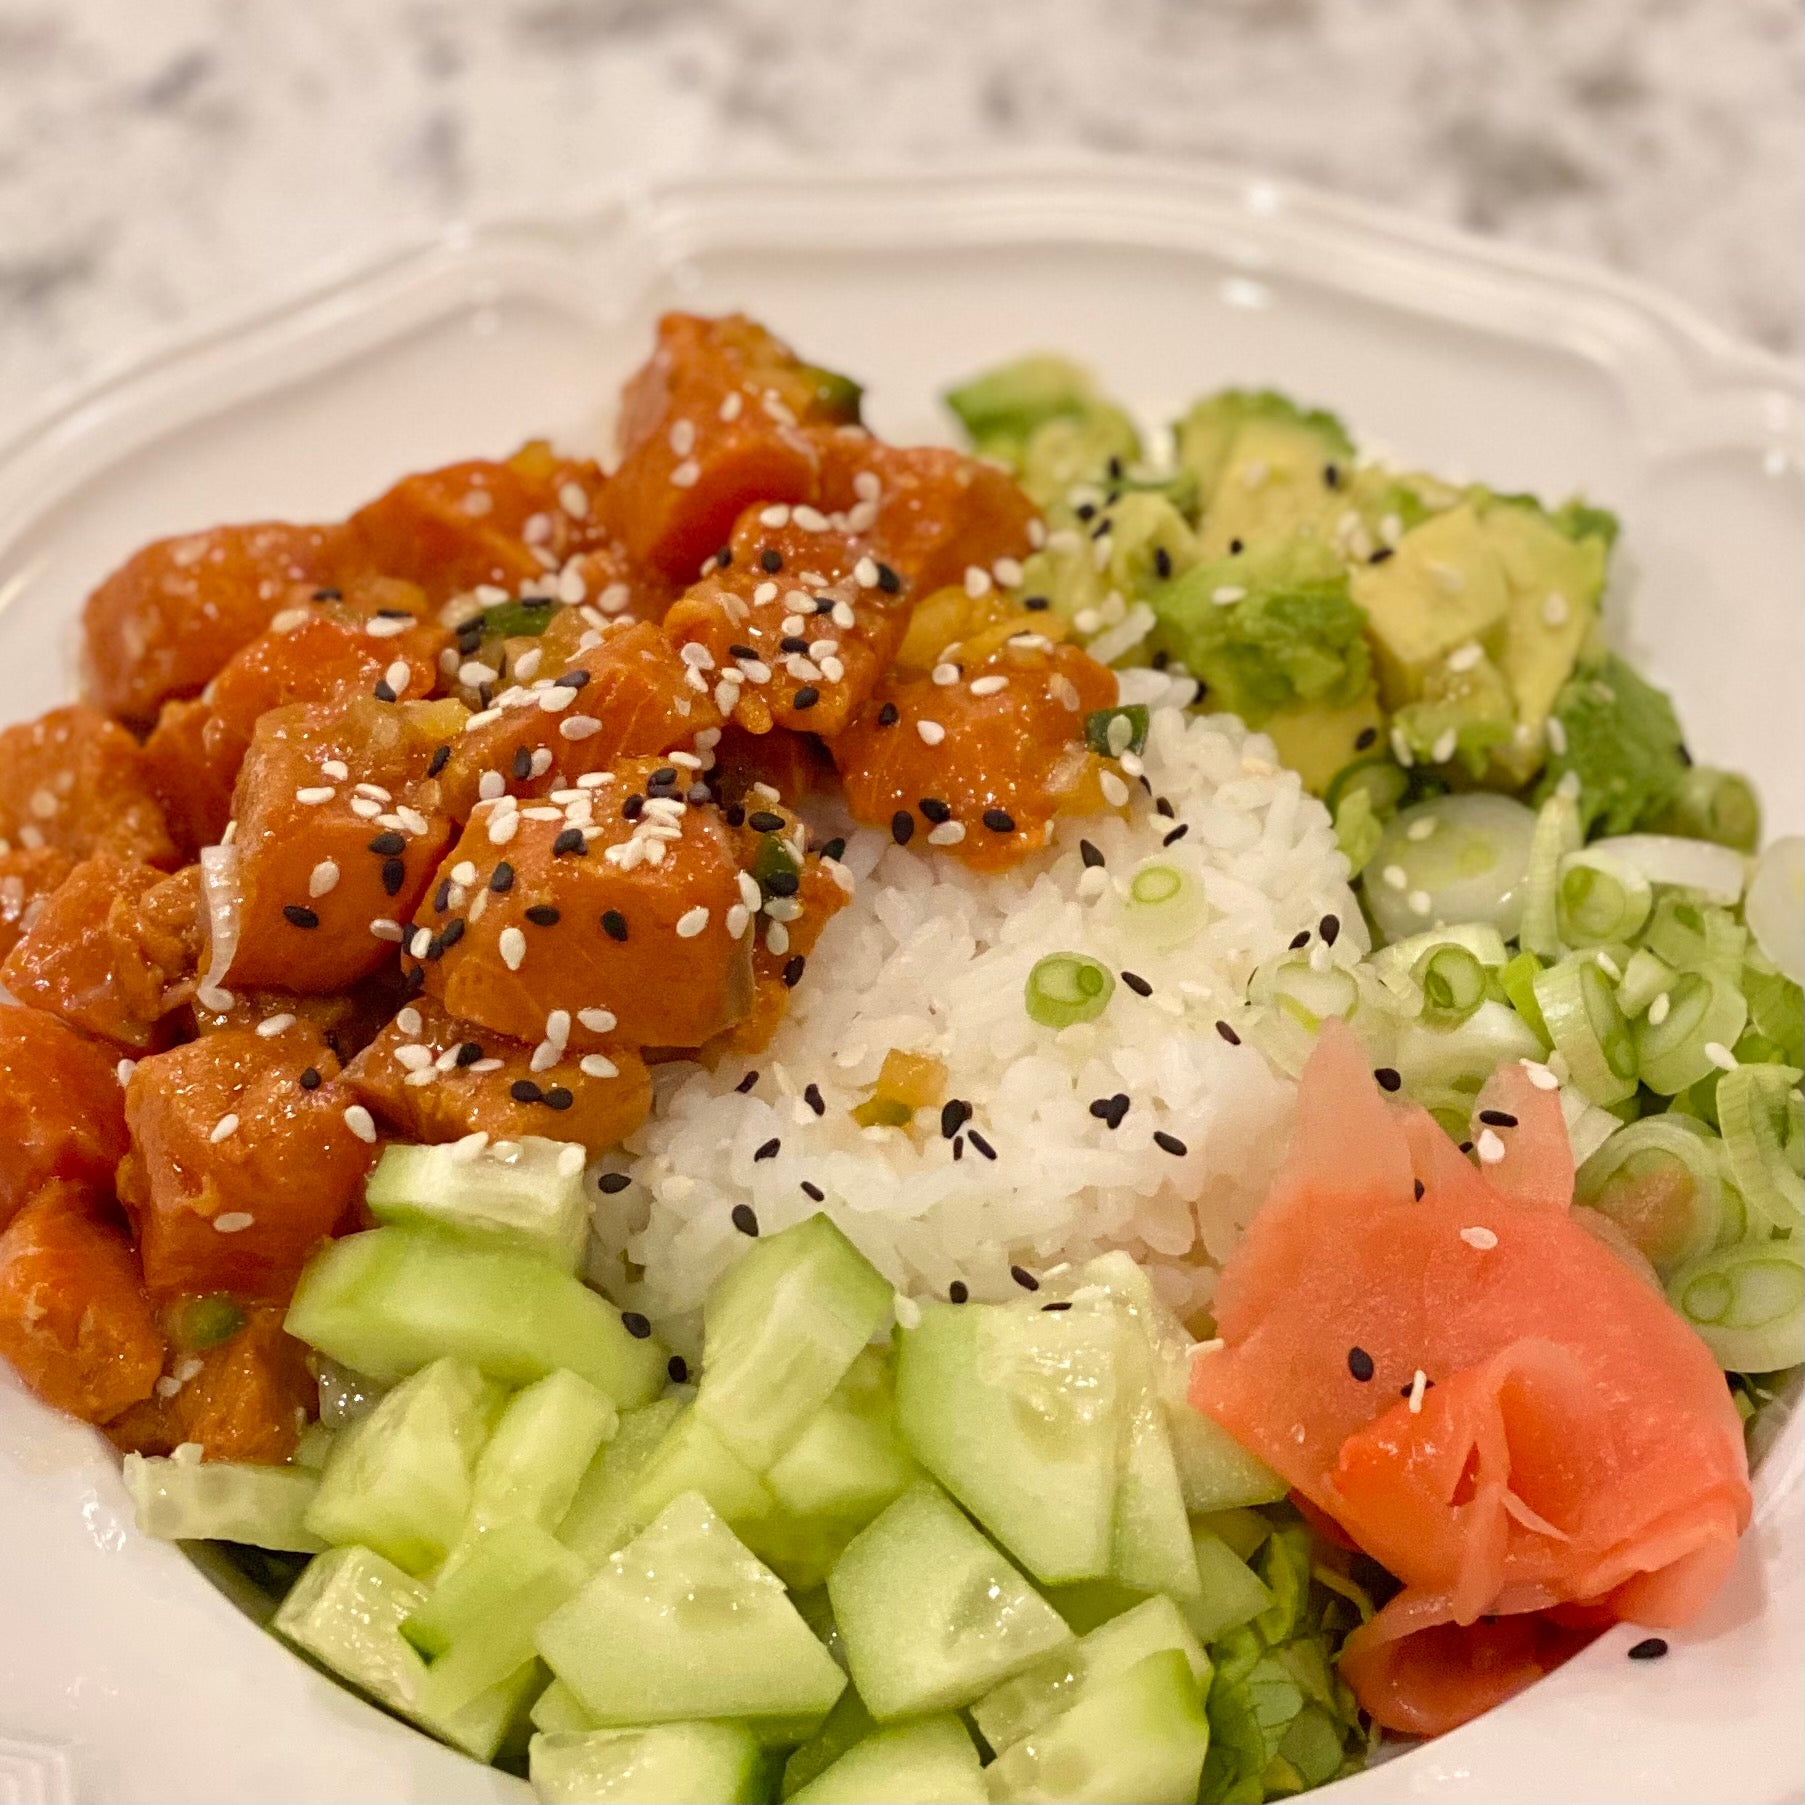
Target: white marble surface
{"type": "Point", "coordinates": [169, 162]}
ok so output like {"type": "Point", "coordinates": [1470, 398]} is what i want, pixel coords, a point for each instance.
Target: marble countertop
{"type": "Point", "coordinates": [163, 166]}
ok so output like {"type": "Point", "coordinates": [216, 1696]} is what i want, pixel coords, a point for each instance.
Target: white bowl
{"type": "Point", "coordinates": [123, 1674]}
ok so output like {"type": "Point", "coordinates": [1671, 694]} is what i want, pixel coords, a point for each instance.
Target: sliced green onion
{"type": "Point", "coordinates": [1763, 1121]}
{"type": "Point", "coordinates": [1164, 904]}
{"type": "Point", "coordinates": [516, 620]}
{"type": "Point", "coordinates": [1479, 938]}
{"type": "Point", "coordinates": [1676, 930]}
{"type": "Point", "coordinates": [1557, 834]}
{"type": "Point", "coordinates": [1726, 944]}
{"type": "Point", "coordinates": [1662, 1185]}
{"type": "Point", "coordinates": [207, 1321]}
{"type": "Point", "coordinates": [1587, 1028]}
{"type": "Point", "coordinates": [1702, 1021]}
{"type": "Point", "coordinates": [1455, 1062]}
{"type": "Point", "coordinates": [1644, 978]}
{"type": "Point", "coordinates": [1599, 898]}
{"type": "Point", "coordinates": [1453, 985]}
{"type": "Point", "coordinates": [773, 859]}
{"type": "Point", "coordinates": [1385, 782]}
{"type": "Point", "coordinates": [1454, 858]}
{"type": "Point", "coordinates": [1307, 996]}
{"type": "Point", "coordinates": [1517, 980]}
{"type": "Point", "coordinates": [1714, 805]}
{"type": "Point", "coordinates": [1775, 906]}
{"type": "Point", "coordinates": [1064, 988]}
{"type": "Point", "coordinates": [1777, 1010]}
{"type": "Point", "coordinates": [1747, 1303]}
{"type": "Point", "coordinates": [1104, 737]}
{"type": "Point", "coordinates": [1715, 872]}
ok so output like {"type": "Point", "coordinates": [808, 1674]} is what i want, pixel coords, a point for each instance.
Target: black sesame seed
{"type": "Point", "coordinates": [614, 924]}
{"type": "Point", "coordinates": [888, 715]}
{"type": "Point", "coordinates": [524, 1090]}
{"type": "Point", "coordinates": [834, 849]}
{"type": "Point", "coordinates": [678, 1369]}
{"type": "Point", "coordinates": [745, 1219]}
{"type": "Point", "coordinates": [1054, 1308]}
{"type": "Point", "coordinates": [764, 822]}
{"type": "Point", "coordinates": [982, 1145]}
{"type": "Point", "coordinates": [435, 949]}
{"type": "Point", "coordinates": [1365, 738]}
{"type": "Point", "coordinates": [1161, 659]}
{"type": "Point", "coordinates": [1137, 983]}
{"type": "Point", "coordinates": [1390, 1079]}
{"type": "Point", "coordinates": [734, 815]}
{"type": "Point", "coordinates": [1497, 1118]}
{"type": "Point", "coordinates": [1228, 1034]}
{"type": "Point", "coordinates": [1381, 555]}
{"type": "Point", "coordinates": [441, 900]}
{"type": "Point", "coordinates": [813, 1192]}
{"type": "Point", "coordinates": [742, 651]}
{"type": "Point", "coordinates": [1360, 1363]}
{"type": "Point", "coordinates": [1177, 834]}
{"type": "Point", "coordinates": [543, 915]}
{"type": "Point", "coordinates": [1466, 1146]}
{"type": "Point", "coordinates": [633, 807]}
{"type": "Point", "coordinates": [501, 880]}
{"type": "Point", "coordinates": [933, 809]}
{"type": "Point", "coordinates": [1300, 940]}
{"type": "Point", "coordinates": [792, 971]}
{"type": "Point", "coordinates": [1093, 859]}
{"type": "Point", "coordinates": [394, 875]}
{"type": "Point", "coordinates": [811, 1095]}
{"type": "Point", "coordinates": [806, 697]}
{"type": "Point", "coordinates": [387, 845]}
{"type": "Point", "coordinates": [1330, 929]}
{"type": "Point", "coordinates": [955, 1112]}
{"type": "Point", "coordinates": [1685, 753]}
{"type": "Point", "coordinates": [452, 933]}
{"type": "Point", "coordinates": [958, 1148]}
{"type": "Point", "coordinates": [1024, 1278]}
{"type": "Point", "coordinates": [1111, 1109]}
{"type": "Point", "coordinates": [310, 1079]}
{"type": "Point", "coordinates": [413, 981]}
{"type": "Point", "coordinates": [1162, 562]}
{"type": "Point", "coordinates": [558, 1098]}
{"type": "Point", "coordinates": [824, 604]}
{"type": "Point", "coordinates": [470, 1052]}
{"type": "Point", "coordinates": [570, 840]}
{"type": "Point", "coordinates": [485, 694]}
{"type": "Point", "coordinates": [1037, 604]}
{"type": "Point", "coordinates": [957, 1292]}
{"type": "Point", "coordinates": [665, 777]}
{"type": "Point", "coordinates": [523, 762]}
{"type": "Point", "coordinates": [611, 1184]}
{"type": "Point", "coordinates": [769, 1150]}
{"type": "Point", "coordinates": [792, 642]}
{"type": "Point", "coordinates": [393, 614]}
{"type": "Point", "coordinates": [999, 821]}
{"type": "Point", "coordinates": [441, 757]}
{"type": "Point", "coordinates": [1419, 1190]}
{"type": "Point", "coordinates": [888, 581]}
{"type": "Point", "coordinates": [298, 916]}
{"type": "Point", "coordinates": [902, 827]}
{"type": "Point", "coordinates": [576, 679]}
{"type": "Point", "coordinates": [770, 560]}
{"type": "Point", "coordinates": [636, 1325]}
{"type": "Point", "coordinates": [328, 595]}
{"type": "Point", "coordinates": [1169, 1143]}
{"type": "Point", "coordinates": [698, 792]}
{"type": "Point", "coordinates": [1331, 475]}
{"type": "Point", "coordinates": [384, 690]}
{"type": "Point", "coordinates": [1163, 807]}
{"type": "Point", "coordinates": [1650, 1648]}
{"type": "Point", "coordinates": [723, 557]}
{"type": "Point", "coordinates": [1235, 548]}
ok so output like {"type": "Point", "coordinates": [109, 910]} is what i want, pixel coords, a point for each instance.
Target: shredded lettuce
{"type": "Point", "coordinates": [1619, 738]}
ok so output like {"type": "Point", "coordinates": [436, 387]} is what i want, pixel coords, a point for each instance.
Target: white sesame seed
{"type": "Point", "coordinates": [864, 573]}
{"type": "Point", "coordinates": [1419, 902]}
{"type": "Point", "coordinates": [503, 826]}
{"type": "Point", "coordinates": [1554, 609]}
{"type": "Point", "coordinates": [867, 486]}
{"type": "Point", "coordinates": [691, 922]}
{"type": "Point", "coordinates": [1481, 1238]}
{"type": "Point", "coordinates": [570, 1161]}
{"type": "Point", "coordinates": [597, 1065]}
{"type": "Point", "coordinates": [811, 520]}
{"type": "Point", "coordinates": [946, 675]}
{"type": "Point", "coordinates": [1395, 877]}
{"type": "Point", "coordinates": [124, 1069]}
{"type": "Point", "coordinates": [946, 833]}
{"type": "Point", "coordinates": [1555, 733]}
{"type": "Point", "coordinates": [682, 437]}
{"type": "Point", "coordinates": [1540, 1076]}
{"type": "Point", "coordinates": [1421, 829]}
{"type": "Point", "coordinates": [364, 808]}
{"type": "Point", "coordinates": [1608, 966]}
{"type": "Point", "coordinates": [1658, 1009]}
{"type": "Point", "coordinates": [211, 996]}
{"type": "Point", "coordinates": [398, 676]}
{"type": "Point", "coordinates": [775, 515]}
{"type": "Point", "coordinates": [1227, 595]}
{"type": "Point", "coordinates": [731, 405]}
{"type": "Point", "coordinates": [481, 718]}
{"type": "Point", "coordinates": [272, 1025]}
{"type": "Point", "coordinates": [384, 929]}
{"type": "Point", "coordinates": [1720, 1056]}
{"type": "Point", "coordinates": [545, 1056]}
{"type": "Point", "coordinates": [557, 1027]}
{"type": "Point", "coordinates": [386, 626]}
{"type": "Point", "coordinates": [687, 474]}
{"type": "Point", "coordinates": [1087, 620]}
{"type": "Point", "coordinates": [1064, 691]}
{"type": "Point", "coordinates": [1115, 791]}
{"type": "Point", "coordinates": [226, 1125]}
{"type": "Point", "coordinates": [777, 938]}
{"type": "Point", "coordinates": [1007, 571]}
{"type": "Point", "coordinates": [736, 920]}
{"type": "Point", "coordinates": [415, 822]}
{"type": "Point", "coordinates": [414, 1056]}
{"type": "Point", "coordinates": [1446, 744]}
{"type": "Point", "coordinates": [555, 697]}
{"type": "Point", "coordinates": [1418, 1385]}
{"type": "Point", "coordinates": [491, 785]}
{"type": "Point", "coordinates": [469, 1146]}
{"type": "Point", "coordinates": [230, 1222]}
{"type": "Point", "coordinates": [1489, 1147]}
{"type": "Point", "coordinates": [579, 727]}
{"type": "Point", "coordinates": [1400, 748]}
{"type": "Point", "coordinates": [573, 499]}
{"type": "Point", "coordinates": [484, 1065]}
{"type": "Point", "coordinates": [420, 942]}
{"type": "Point", "coordinates": [1463, 658]}
{"type": "Point", "coordinates": [977, 582]}
{"type": "Point", "coordinates": [361, 1122]}
{"type": "Point", "coordinates": [750, 894]}
{"type": "Point", "coordinates": [932, 733]}
{"type": "Point", "coordinates": [314, 794]}
{"type": "Point", "coordinates": [511, 944]}
{"type": "Point", "coordinates": [289, 619]}
{"type": "Point", "coordinates": [526, 666]}
{"type": "Point", "coordinates": [989, 686]}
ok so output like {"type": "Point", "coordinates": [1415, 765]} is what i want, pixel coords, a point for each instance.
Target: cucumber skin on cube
{"type": "Point", "coordinates": [346, 1611]}
{"type": "Point", "coordinates": [558, 1708]}
{"type": "Point", "coordinates": [846, 1725]}
{"type": "Point", "coordinates": [675, 1764]}
{"type": "Point", "coordinates": [188, 1499]}
{"type": "Point", "coordinates": [600, 1517]}
{"type": "Point", "coordinates": [1233, 1594]}
{"type": "Point", "coordinates": [542, 1446]}
{"type": "Point", "coordinates": [1136, 1739]}
{"type": "Point", "coordinates": [388, 1301]}
{"type": "Point", "coordinates": [930, 1762]}
{"type": "Point", "coordinates": [398, 1480]}
{"type": "Point", "coordinates": [919, 1580]}
{"type": "Point", "coordinates": [685, 1623]}
{"type": "Point", "coordinates": [528, 1202]}
{"type": "Point", "coordinates": [1051, 1686]}
{"type": "Point", "coordinates": [780, 1329]}
{"type": "Point", "coordinates": [1017, 1412]}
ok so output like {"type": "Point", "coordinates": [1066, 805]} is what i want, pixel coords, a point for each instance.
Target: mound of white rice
{"type": "Point", "coordinates": [931, 958]}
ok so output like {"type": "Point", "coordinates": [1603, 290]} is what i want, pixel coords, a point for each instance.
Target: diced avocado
{"type": "Point", "coordinates": [1387, 504]}
{"type": "Point", "coordinates": [839, 397]}
{"type": "Point", "coordinates": [685, 1623]}
{"type": "Point", "coordinates": [528, 1194]}
{"type": "Point", "coordinates": [541, 1448]}
{"type": "Point", "coordinates": [1620, 739]}
{"type": "Point", "coordinates": [1208, 438]}
{"type": "Point", "coordinates": [1282, 479]}
{"type": "Point", "coordinates": [1081, 448]}
{"type": "Point", "coordinates": [184, 1498]}
{"type": "Point", "coordinates": [601, 1515]}
{"type": "Point", "coordinates": [1266, 629]}
{"type": "Point", "coordinates": [780, 1329]}
{"type": "Point", "coordinates": [1006, 403]}
{"type": "Point", "coordinates": [677, 1764]}
{"type": "Point", "coordinates": [1139, 1736]}
{"type": "Point", "coordinates": [1464, 717]}
{"type": "Point", "coordinates": [906, 1764]}
{"type": "Point", "coordinates": [931, 1616]}
{"type": "Point", "coordinates": [346, 1611]}
{"type": "Point", "coordinates": [1442, 589]}
{"type": "Point", "coordinates": [1317, 741]}
{"type": "Point", "coordinates": [398, 1480]}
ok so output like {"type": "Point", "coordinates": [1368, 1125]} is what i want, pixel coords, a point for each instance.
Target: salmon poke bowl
{"type": "Point", "coordinates": [1105, 1113]}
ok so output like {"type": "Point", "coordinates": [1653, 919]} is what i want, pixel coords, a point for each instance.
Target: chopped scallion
{"type": "Point", "coordinates": [1065, 988]}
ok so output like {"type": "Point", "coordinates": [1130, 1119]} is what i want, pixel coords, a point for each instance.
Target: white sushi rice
{"type": "Point", "coordinates": [932, 958]}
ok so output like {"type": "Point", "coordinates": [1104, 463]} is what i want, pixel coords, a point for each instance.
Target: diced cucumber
{"type": "Point", "coordinates": [1091, 1602]}
{"type": "Point", "coordinates": [1056, 1683]}
{"type": "Point", "coordinates": [931, 1762]}
{"type": "Point", "coordinates": [541, 1448]}
{"type": "Point", "coordinates": [661, 1764]}
{"type": "Point", "coordinates": [779, 1331]}
{"type": "Point", "coordinates": [478, 1624]}
{"type": "Point", "coordinates": [693, 1458]}
{"type": "Point", "coordinates": [558, 1708]}
{"type": "Point", "coordinates": [1242, 1529]}
{"type": "Point", "coordinates": [398, 1480]}
{"type": "Point", "coordinates": [684, 1622]}
{"type": "Point", "coordinates": [388, 1301]}
{"type": "Point", "coordinates": [346, 1611]}
{"type": "Point", "coordinates": [185, 1498]}
{"type": "Point", "coordinates": [526, 1194]}
{"type": "Point", "coordinates": [1017, 1411]}
{"type": "Point", "coordinates": [1137, 1739]}
{"type": "Point", "coordinates": [1151, 1550]}
{"type": "Point", "coordinates": [600, 1517]}
{"type": "Point", "coordinates": [849, 1461]}
{"type": "Point", "coordinates": [1233, 1594]}
{"type": "Point", "coordinates": [931, 1616]}
{"type": "Point", "coordinates": [314, 1444]}
{"type": "Point", "coordinates": [846, 1725]}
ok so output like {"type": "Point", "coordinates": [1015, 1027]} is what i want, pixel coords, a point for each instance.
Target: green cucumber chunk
{"type": "Point", "coordinates": [930, 1762]}
{"type": "Point", "coordinates": [558, 1708]}
{"type": "Point", "coordinates": [693, 1458]}
{"type": "Point", "coordinates": [542, 1446]}
{"type": "Point", "coordinates": [1018, 1412]}
{"type": "Point", "coordinates": [346, 1611]}
{"type": "Point", "coordinates": [930, 1615]}
{"type": "Point", "coordinates": [526, 1194]}
{"type": "Point", "coordinates": [398, 1480]}
{"type": "Point", "coordinates": [184, 1498]}
{"type": "Point", "coordinates": [780, 1330]}
{"type": "Point", "coordinates": [1233, 1594]}
{"type": "Point", "coordinates": [849, 1461]}
{"type": "Point", "coordinates": [1151, 1550]}
{"type": "Point", "coordinates": [1053, 1685]}
{"type": "Point", "coordinates": [600, 1517]}
{"type": "Point", "coordinates": [674, 1764]}
{"type": "Point", "coordinates": [684, 1622]}
{"type": "Point", "coordinates": [845, 1726]}
{"type": "Point", "coordinates": [1136, 1739]}
{"type": "Point", "coordinates": [388, 1301]}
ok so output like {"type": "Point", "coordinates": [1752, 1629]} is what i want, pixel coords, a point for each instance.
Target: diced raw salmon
{"type": "Point", "coordinates": [75, 781]}
{"type": "Point", "coordinates": [26, 877]}
{"type": "Point", "coordinates": [62, 1112]}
